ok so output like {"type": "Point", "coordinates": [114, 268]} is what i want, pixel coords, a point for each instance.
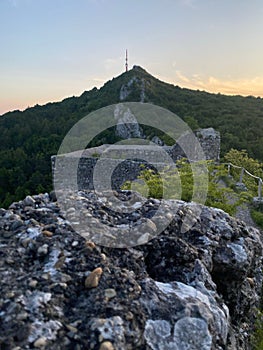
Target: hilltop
{"type": "Point", "coordinates": [29, 138]}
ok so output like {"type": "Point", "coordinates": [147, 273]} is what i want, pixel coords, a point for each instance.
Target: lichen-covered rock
{"type": "Point", "coordinates": [195, 288]}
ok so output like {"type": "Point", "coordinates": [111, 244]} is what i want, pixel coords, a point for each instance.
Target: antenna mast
{"type": "Point", "coordinates": [126, 61]}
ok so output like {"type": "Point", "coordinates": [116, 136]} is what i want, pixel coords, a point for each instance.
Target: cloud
{"type": "Point", "coordinates": [182, 77]}
{"type": "Point", "coordinates": [189, 3]}
{"type": "Point", "coordinates": [111, 63]}
{"type": "Point", "coordinates": [99, 80]}
{"type": "Point", "coordinates": [245, 86]}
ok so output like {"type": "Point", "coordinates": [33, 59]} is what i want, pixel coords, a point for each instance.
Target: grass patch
{"type": "Point", "coordinates": [257, 217]}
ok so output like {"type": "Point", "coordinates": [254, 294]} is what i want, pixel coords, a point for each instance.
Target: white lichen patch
{"type": "Point", "coordinates": [189, 334]}
{"type": "Point", "coordinates": [110, 329]}
{"type": "Point", "coordinates": [44, 329]}
{"type": "Point", "coordinates": [36, 300]}
{"type": "Point", "coordinates": [239, 252]}
{"type": "Point", "coordinates": [52, 260]}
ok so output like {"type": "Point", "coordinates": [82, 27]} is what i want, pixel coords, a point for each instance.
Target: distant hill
{"type": "Point", "coordinates": [29, 138]}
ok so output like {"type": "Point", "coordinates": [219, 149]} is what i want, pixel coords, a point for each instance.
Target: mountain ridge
{"type": "Point", "coordinates": [143, 73]}
{"type": "Point", "coordinates": [29, 138]}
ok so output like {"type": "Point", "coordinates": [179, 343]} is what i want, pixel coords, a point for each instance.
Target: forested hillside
{"type": "Point", "coordinates": [29, 138]}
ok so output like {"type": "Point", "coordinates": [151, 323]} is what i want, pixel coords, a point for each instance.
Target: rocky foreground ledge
{"type": "Point", "coordinates": [197, 290]}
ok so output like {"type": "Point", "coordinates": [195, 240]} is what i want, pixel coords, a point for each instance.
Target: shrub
{"type": "Point", "coordinates": [178, 183]}
{"type": "Point", "coordinates": [257, 216]}
{"type": "Point", "coordinates": [257, 337]}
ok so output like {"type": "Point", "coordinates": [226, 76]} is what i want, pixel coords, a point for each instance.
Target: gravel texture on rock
{"type": "Point", "coordinates": [193, 290]}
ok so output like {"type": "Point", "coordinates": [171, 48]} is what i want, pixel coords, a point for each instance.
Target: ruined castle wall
{"type": "Point", "coordinates": [113, 171]}
{"type": "Point", "coordinates": [124, 162]}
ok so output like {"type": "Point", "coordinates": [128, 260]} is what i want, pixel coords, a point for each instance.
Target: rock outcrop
{"type": "Point", "coordinates": [209, 139]}
{"type": "Point", "coordinates": [132, 84]}
{"type": "Point", "coordinates": [127, 125]}
{"type": "Point", "coordinates": [193, 290]}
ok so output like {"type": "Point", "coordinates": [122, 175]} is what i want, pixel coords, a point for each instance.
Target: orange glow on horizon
{"type": "Point", "coordinates": [243, 87]}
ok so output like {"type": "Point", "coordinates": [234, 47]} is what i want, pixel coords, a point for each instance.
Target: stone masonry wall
{"type": "Point", "coordinates": [121, 163]}
{"type": "Point", "coordinates": [121, 171]}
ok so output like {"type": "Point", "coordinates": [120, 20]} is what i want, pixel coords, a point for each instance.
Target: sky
{"type": "Point", "coordinates": [53, 49]}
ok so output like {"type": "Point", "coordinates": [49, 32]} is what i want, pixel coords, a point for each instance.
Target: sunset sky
{"type": "Point", "coordinates": [52, 49]}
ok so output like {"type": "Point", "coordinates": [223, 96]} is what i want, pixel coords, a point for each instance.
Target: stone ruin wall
{"type": "Point", "coordinates": [121, 170]}
{"type": "Point", "coordinates": [125, 165]}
